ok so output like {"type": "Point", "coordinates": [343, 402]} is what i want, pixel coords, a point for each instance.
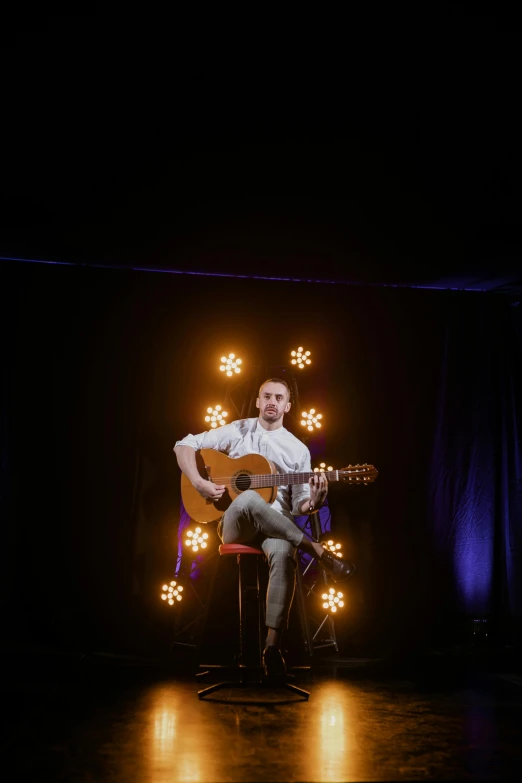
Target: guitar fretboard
{"type": "Point", "coordinates": [283, 479]}
{"type": "Point", "coordinates": [262, 480]}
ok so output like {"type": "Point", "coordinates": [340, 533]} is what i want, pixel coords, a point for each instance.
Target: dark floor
{"type": "Point", "coordinates": [112, 719]}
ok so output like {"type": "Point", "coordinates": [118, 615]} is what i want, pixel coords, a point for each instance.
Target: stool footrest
{"type": "Point", "coordinates": [249, 684]}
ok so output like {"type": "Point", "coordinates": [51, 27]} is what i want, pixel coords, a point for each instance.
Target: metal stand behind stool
{"type": "Point", "coordinates": [251, 625]}
{"type": "Point", "coordinates": [315, 528]}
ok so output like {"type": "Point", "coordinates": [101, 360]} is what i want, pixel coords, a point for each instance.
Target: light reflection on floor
{"type": "Point", "coordinates": [159, 732]}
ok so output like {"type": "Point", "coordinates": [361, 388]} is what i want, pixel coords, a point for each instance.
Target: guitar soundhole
{"type": "Point", "coordinates": [242, 482]}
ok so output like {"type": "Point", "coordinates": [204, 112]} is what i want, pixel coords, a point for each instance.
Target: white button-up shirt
{"type": "Point", "coordinates": [247, 436]}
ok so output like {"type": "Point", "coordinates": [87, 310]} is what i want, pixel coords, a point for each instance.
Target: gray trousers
{"type": "Point", "coordinates": [250, 520]}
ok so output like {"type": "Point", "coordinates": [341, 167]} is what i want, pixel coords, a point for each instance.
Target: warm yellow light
{"type": "Point", "coordinates": [332, 546]}
{"type": "Point", "coordinates": [322, 468]}
{"type": "Point", "coordinates": [230, 365]}
{"type": "Point", "coordinates": [300, 358]}
{"type": "Point", "coordinates": [217, 416]}
{"type": "Point", "coordinates": [171, 592]}
{"type": "Point", "coordinates": [196, 539]}
{"type": "Point", "coordinates": [332, 600]}
{"type": "Point", "coordinates": [311, 420]}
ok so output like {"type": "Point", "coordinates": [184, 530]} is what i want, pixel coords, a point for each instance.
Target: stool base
{"type": "Point", "coordinates": [259, 681]}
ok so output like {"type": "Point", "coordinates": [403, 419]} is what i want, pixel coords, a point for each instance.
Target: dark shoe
{"type": "Point", "coordinates": [340, 570]}
{"type": "Point", "coordinates": [273, 663]}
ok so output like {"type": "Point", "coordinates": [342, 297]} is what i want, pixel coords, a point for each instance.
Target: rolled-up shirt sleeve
{"type": "Point", "coordinates": [301, 492]}
{"type": "Point", "coordinates": [219, 439]}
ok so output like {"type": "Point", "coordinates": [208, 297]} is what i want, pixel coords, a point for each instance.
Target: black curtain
{"type": "Point", "coordinates": [105, 369]}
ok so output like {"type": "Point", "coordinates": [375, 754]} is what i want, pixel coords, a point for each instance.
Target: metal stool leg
{"type": "Point", "coordinates": [250, 620]}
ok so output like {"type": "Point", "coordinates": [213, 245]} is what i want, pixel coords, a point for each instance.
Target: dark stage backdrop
{"type": "Point", "coordinates": [103, 370]}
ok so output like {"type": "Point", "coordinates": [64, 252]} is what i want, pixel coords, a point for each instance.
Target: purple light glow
{"type": "Point", "coordinates": [360, 284]}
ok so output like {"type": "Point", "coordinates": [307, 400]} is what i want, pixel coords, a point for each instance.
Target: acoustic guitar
{"type": "Point", "coordinates": [252, 471]}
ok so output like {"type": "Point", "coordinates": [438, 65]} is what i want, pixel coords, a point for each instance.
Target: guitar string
{"type": "Point", "coordinates": [260, 480]}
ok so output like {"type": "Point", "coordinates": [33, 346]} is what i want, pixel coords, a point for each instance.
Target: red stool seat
{"type": "Point", "coordinates": [239, 549]}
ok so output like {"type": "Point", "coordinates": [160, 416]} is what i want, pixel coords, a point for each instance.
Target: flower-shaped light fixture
{"type": "Point", "coordinates": [171, 593]}
{"type": "Point", "coordinates": [332, 546]}
{"type": "Point", "coordinates": [300, 358]}
{"type": "Point", "coordinates": [196, 539]}
{"type": "Point", "coordinates": [311, 420]}
{"type": "Point", "coordinates": [216, 416]}
{"type": "Point", "coordinates": [332, 600]}
{"type": "Point", "coordinates": [230, 365]}
{"type": "Point", "coordinates": [322, 468]}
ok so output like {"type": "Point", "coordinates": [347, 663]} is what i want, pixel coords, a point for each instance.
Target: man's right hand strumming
{"type": "Point", "coordinates": [186, 457]}
{"type": "Point", "coordinates": [209, 490]}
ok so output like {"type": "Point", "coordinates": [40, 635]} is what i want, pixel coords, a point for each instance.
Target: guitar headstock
{"type": "Point", "coordinates": [358, 474]}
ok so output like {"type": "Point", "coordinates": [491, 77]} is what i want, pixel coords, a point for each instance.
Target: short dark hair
{"type": "Point", "coordinates": [276, 380]}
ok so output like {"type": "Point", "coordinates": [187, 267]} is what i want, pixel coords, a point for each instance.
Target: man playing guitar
{"type": "Point", "coordinates": [250, 519]}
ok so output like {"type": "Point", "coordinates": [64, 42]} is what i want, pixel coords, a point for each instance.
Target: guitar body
{"type": "Point", "coordinates": [213, 465]}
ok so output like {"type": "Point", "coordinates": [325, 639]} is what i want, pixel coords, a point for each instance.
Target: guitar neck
{"type": "Point", "coordinates": [284, 479]}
